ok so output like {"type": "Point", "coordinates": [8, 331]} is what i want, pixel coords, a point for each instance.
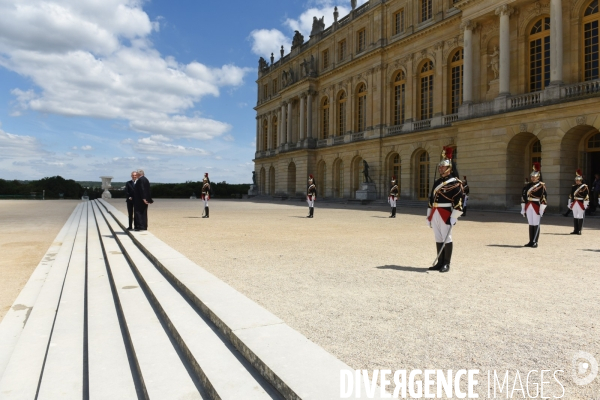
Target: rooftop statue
{"type": "Point", "coordinates": [298, 40]}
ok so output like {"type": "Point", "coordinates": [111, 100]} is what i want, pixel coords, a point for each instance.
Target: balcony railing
{"type": "Point", "coordinates": [394, 130]}
{"type": "Point", "coordinates": [581, 89]}
{"type": "Point", "coordinates": [424, 124]}
{"type": "Point", "coordinates": [358, 136]}
{"type": "Point", "coordinates": [322, 143]}
{"type": "Point", "coordinates": [448, 119]}
{"type": "Point", "coordinates": [338, 140]}
{"type": "Point", "coordinates": [525, 100]}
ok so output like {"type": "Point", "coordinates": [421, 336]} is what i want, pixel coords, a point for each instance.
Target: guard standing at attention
{"type": "Point", "coordinates": [205, 193]}
{"type": "Point", "coordinates": [393, 197]}
{"type": "Point", "coordinates": [466, 198]}
{"type": "Point", "coordinates": [533, 203]}
{"type": "Point", "coordinates": [311, 196]}
{"type": "Point", "coordinates": [445, 206]}
{"type": "Point", "coordinates": [579, 199]}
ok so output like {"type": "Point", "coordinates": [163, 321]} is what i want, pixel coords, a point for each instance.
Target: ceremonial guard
{"type": "Point", "coordinates": [579, 199]}
{"type": "Point", "coordinates": [466, 197]}
{"type": "Point", "coordinates": [445, 206]}
{"type": "Point", "coordinates": [393, 197]}
{"type": "Point", "coordinates": [311, 196]}
{"type": "Point", "coordinates": [533, 204]}
{"type": "Point", "coordinates": [205, 193]}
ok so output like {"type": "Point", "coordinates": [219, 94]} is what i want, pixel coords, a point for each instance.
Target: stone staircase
{"type": "Point", "coordinates": [114, 314]}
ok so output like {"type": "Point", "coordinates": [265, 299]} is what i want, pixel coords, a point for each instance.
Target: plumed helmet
{"type": "Point", "coordinates": [310, 178]}
{"type": "Point", "coordinates": [205, 179]}
{"type": "Point", "coordinates": [464, 178]}
{"type": "Point", "coordinates": [578, 175]}
{"type": "Point", "coordinates": [393, 179]}
{"type": "Point", "coordinates": [447, 153]}
{"type": "Point", "coordinates": [537, 167]}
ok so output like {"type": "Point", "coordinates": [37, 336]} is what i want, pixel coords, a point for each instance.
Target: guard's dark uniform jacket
{"type": "Point", "coordinates": [579, 193]}
{"type": "Point", "coordinates": [446, 196]}
{"type": "Point", "coordinates": [311, 191]}
{"type": "Point", "coordinates": [394, 191]}
{"type": "Point", "coordinates": [206, 191]}
{"type": "Point", "coordinates": [533, 195]}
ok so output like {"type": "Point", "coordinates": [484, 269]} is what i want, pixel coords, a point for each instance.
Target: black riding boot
{"type": "Point", "coordinates": [394, 213]}
{"type": "Point", "coordinates": [205, 212]}
{"type": "Point", "coordinates": [464, 214]}
{"type": "Point", "coordinates": [447, 257]}
{"type": "Point", "coordinates": [536, 235]}
{"type": "Point", "coordinates": [440, 261]}
{"type": "Point", "coordinates": [579, 226]}
{"type": "Point", "coordinates": [312, 212]}
{"type": "Point", "coordinates": [575, 227]}
{"type": "Point", "coordinates": [531, 233]}
{"type": "Point", "coordinates": [309, 212]}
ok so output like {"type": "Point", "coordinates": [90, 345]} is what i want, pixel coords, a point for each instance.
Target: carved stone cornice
{"type": "Point", "coordinates": [438, 46]}
{"type": "Point", "coordinates": [468, 26]}
{"type": "Point", "coordinates": [505, 10]}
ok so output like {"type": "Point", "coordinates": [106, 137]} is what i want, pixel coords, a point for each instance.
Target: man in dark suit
{"type": "Point", "coordinates": [141, 199]}
{"type": "Point", "coordinates": [129, 192]}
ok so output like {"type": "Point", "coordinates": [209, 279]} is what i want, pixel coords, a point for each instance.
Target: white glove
{"type": "Point", "coordinates": [586, 203]}
{"type": "Point", "coordinates": [455, 214]}
{"type": "Point", "coordinates": [523, 209]}
{"type": "Point", "coordinates": [427, 218]}
{"type": "Point", "coordinates": [570, 203]}
{"type": "Point", "coordinates": [542, 208]}
{"type": "Point", "coordinates": [453, 221]}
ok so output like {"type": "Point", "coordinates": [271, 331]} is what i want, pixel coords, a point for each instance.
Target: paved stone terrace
{"type": "Point", "coordinates": [354, 282]}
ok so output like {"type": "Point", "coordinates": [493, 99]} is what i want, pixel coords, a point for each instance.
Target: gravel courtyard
{"type": "Point", "coordinates": [355, 282]}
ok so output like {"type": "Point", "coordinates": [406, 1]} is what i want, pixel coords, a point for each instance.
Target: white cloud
{"type": "Point", "coordinates": [17, 146]}
{"type": "Point", "coordinates": [267, 41]}
{"type": "Point", "coordinates": [228, 138]}
{"type": "Point", "coordinates": [159, 144]}
{"type": "Point", "coordinates": [86, 147]}
{"type": "Point", "coordinates": [94, 58]}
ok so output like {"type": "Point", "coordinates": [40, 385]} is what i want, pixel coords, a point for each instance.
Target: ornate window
{"type": "Point", "coordinates": [536, 152]}
{"type": "Point", "coordinates": [399, 22]}
{"type": "Point", "coordinates": [396, 168]}
{"type": "Point", "coordinates": [274, 134]}
{"type": "Point", "coordinates": [274, 86]}
{"type": "Point", "coordinates": [361, 108]}
{"type": "Point", "coordinates": [361, 40]}
{"type": "Point", "coordinates": [539, 55]}
{"type": "Point", "coordinates": [399, 98]}
{"type": "Point", "coordinates": [423, 182]}
{"type": "Point", "coordinates": [325, 58]}
{"type": "Point", "coordinates": [341, 125]}
{"type": "Point", "coordinates": [265, 91]}
{"type": "Point", "coordinates": [265, 137]}
{"type": "Point", "coordinates": [593, 144]}
{"type": "Point", "coordinates": [426, 10]}
{"type": "Point", "coordinates": [591, 19]}
{"type": "Point", "coordinates": [456, 80]}
{"type": "Point", "coordinates": [342, 50]}
{"type": "Point", "coordinates": [426, 90]}
{"type": "Point", "coordinates": [325, 119]}
{"type": "Point", "coordinates": [338, 179]}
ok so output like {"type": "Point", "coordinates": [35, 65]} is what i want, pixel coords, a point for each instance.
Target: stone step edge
{"type": "Point", "coordinates": [15, 319]}
{"type": "Point", "coordinates": [236, 339]}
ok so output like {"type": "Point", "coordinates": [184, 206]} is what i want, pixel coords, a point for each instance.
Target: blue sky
{"type": "Point", "coordinates": [102, 87]}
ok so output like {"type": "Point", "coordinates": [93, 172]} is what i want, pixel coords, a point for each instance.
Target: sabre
{"type": "Point", "coordinates": [443, 245]}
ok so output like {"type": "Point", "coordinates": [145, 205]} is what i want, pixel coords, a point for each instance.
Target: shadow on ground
{"type": "Point", "coordinates": [399, 268]}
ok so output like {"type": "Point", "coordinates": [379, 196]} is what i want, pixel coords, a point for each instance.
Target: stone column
{"type": "Point", "coordinates": [302, 132]}
{"type": "Point", "coordinates": [309, 106]}
{"type": "Point", "coordinates": [257, 133]}
{"type": "Point", "coordinates": [468, 27]}
{"type": "Point", "coordinates": [269, 131]}
{"type": "Point", "coordinates": [439, 83]}
{"type": "Point", "coordinates": [279, 124]}
{"type": "Point", "coordinates": [289, 121]}
{"type": "Point", "coordinates": [283, 136]}
{"type": "Point", "coordinates": [504, 12]}
{"type": "Point", "coordinates": [556, 42]}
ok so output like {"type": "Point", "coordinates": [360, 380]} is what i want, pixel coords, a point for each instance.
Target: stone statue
{"type": "Point", "coordinates": [262, 64]}
{"type": "Point", "coordinates": [298, 40]}
{"type": "Point", "coordinates": [336, 14]}
{"type": "Point", "coordinates": [365, 172]}
{"type": "Point", "coordinates": [495, 62]}
{"type": "Point", "coordinates": [272, 58]}
{"type": "Point", "coordinates": [318, 25]}
{"type": "Point", "coordinates": [311, 69]}
{"type": "Point", "coordinates": [290, 76]}
{"type": "Point", "coordinates": [284, 79]}
{"type": "Point", "coordinates": [353, 4]}
{"type": "Point", "coordinates": [254, 178]}
{"type": "Point", "coordinates": [304, 66]}
{"type": "Point", "coordinates": [281, 51]}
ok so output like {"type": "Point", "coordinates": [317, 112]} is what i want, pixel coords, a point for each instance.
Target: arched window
{"type": "Point", "coordinates": [399, 98]}
{"type": "Point", "coordinates": [426, 90]}
{"type": "Point", "coordinates": [539, 55]}
{"type": "Point", "coordinates": [591, 19]}
{"type": "Point", "coordinates": [423, 181]}
{"type": "Point", "coordinates": [271, 181]}
{"type": "Point", "coordinates": [593, 144]}
{"type": "Point", "coordinates": [396, 168]}
{"type": "Point", "coordinates": [274, 134]}
{"type": "Point", "coordinates": [265, 138]}
{"type": "Point", "coordinates": [341, 125]}
{"type": "Point", "coordinates": [325, 119]}
{"type": "Point", "coordinates": [338, 179]}
{"type": "Point", "coordinates": [426, 10]}
{"type": "Point", "coordinates": [361, 108]}
{"type": "Point", "coordinates": [456, 80]}
{"type": "Point", "coordinates": [536, 152]}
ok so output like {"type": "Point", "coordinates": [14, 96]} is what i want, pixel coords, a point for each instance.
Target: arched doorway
{"type": "Point", "coordinates": [423, 184]}
{"type": "Point", "coordinates": [321, 173]}
{"type": "Point", "coordinates": [522, 151]}
{"type": "Point", "coordinates": [272, 181]}
{"type": "Point", "coordinates": [263, 182]}
{"type": "Point", "coordinates": [395, 169]}
{"type": "Point", "coordinates": [338, 178]}
{"type": "Point", "coordinates": [291, 189]}
{"type": "Point", "coordinates": [356, 169]}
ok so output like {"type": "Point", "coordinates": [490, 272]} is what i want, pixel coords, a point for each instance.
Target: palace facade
{"type": "Point", "coordinates": [506, 83]}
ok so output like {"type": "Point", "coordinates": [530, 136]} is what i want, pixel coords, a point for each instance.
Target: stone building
{"type": "Point", "coordinates": [505, 82]}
